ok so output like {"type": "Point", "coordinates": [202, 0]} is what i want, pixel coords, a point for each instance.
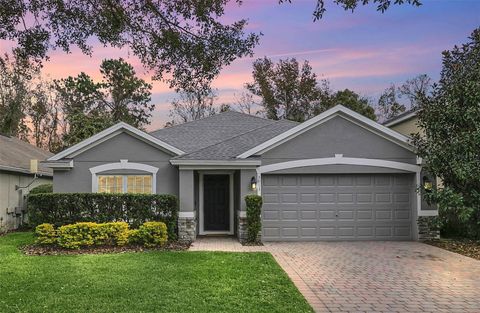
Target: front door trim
{"type": "Point", "coordinates": [202, 230]}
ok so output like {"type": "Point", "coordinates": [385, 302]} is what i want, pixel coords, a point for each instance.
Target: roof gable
{"type": "Point", "coordinates": [111, 132]}
{"type": "Point", "coordinates": [338, 110]}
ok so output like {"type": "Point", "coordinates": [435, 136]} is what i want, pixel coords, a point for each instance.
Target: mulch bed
{"type": "Point", "coordinates": [252, 244]}
{"type": "Point", "coordinates": [56, 250]}
{"type": "Point", "coordinates": [470, 248]}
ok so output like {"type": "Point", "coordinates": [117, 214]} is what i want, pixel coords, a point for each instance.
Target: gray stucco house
{"type": "Point", "coordinates": [337, 176]}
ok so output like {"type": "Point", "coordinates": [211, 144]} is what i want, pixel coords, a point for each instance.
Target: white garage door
{"type": "Point", "coordinates": [337, 207]}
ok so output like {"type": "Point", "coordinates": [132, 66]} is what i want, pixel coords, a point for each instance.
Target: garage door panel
{"type": "Point", "coordinates": [326, 198]}
{"type": "Point", "coordinates": [337, 207]}
{"type": "Point", "coordinates": [270, 198]}
{"type": "Point", "coordinates": [345, 198]}
{"type": "Point", "coordinates": [364, 197]}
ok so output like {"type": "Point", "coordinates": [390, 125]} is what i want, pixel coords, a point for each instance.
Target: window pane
{"type": "Point", "coordinates": [139, 184]}
{"type": "Point", "coordinates": [130, 184]}
{"type": "Point", "coordinates": [110, 184]}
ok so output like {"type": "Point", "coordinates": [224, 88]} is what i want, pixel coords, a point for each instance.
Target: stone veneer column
{"type": "Point", "coordinates": [428, 227]}
{"type": "Point", "coordinates": [187, 223]}
{"type": "Point", "coordinates": [187, 227]}
{"type": "Point", "coordinates": [242, 226]}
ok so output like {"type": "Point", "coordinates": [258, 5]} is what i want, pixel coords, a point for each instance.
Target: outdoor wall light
{"type": "Point", "coordinates": [427, 184]}
{"type": "Point", "coordinates": [253, 183]}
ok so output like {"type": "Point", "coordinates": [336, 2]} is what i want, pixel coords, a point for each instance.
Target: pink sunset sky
{"type": "Point", "coordinates": [364, 51]}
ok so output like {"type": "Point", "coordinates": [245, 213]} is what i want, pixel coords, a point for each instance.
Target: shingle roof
{"type": "Point", "coordinates": [15, 156]}
{"type": "Point", "coordinates": [234, 146]}
{"type": "Point", "coordinates": [196, 135]}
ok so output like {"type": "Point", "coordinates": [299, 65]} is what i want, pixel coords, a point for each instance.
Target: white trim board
{"type": "Point", "coordinates": [123, 164]}
{"type": "Point", "coordinates": [111, 132]}
{"type": "Point", "coordinates": [338, 110]}
{"type": "Point", "coordinates": [339, 160]}
{"type": "Point", "coordinates": [202, 230]}
{"type": "Point", "coordinates": [232, 163]}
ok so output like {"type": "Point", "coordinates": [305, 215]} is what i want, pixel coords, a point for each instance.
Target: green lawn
{"type": "Point", "coordinates": [143, 282]}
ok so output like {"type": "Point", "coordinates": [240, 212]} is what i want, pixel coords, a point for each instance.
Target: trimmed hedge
{"type": "Point", "coordinates": [88, 234]}
{"type": "Point", "coordinates": [135, 209]}
{"type": "Point", "coordinates": [254, 222]}
{"type": "Point", "coordinates": [44, 188]}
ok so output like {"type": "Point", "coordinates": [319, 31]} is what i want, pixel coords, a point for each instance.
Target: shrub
{"type": "Point", "coordinates": [113, 234]}
{"type": "Point", "coordinates": [46, 234]}
{"type": "Point", "coordinates": [87, 234]}
{"type": "Point", "coordinates": [44, 188]}
{"type": "Point", "coordinates": [135, 209]}
{"type": "Point", "coordinates": [79, 235]}
{"type": "Point", "coordinates": [254, 222]}
{"type": "Point", "coordinates": [150, 234]}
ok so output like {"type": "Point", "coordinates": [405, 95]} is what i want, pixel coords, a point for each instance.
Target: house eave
{"type": "Point", "coordinates": [215, 164]}
{"type": "Point", "coordinates": [58, 165]}
{"type": "Point", "coordinates": [23, 171]}
{"type": "Point", "coordinates": [401, 119]}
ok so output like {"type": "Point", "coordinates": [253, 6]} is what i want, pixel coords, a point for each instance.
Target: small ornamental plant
{"type": "Point", "coordinates": [254, 223]}
{"type": "Point", "coordinates": [46, 234]}
{"type": "Point", "coordinates": [150, 234]}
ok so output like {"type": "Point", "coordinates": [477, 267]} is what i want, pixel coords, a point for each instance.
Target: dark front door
{"type": "Point", "coordinates": [216, 202]}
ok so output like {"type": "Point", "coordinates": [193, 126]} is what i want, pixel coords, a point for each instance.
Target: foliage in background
{"type": "Point", "coordinates": [15, 75]}
{"type": "Point", "coordinates": [28, 108]}
{"type": "Point", "coordinates": [291, 91]}
{"type": "Point", "coordinates": [135, 209]}
{"type": "Point", "coordinates": [184, 42]}
{"type": "Point", "coordinates": [254, 220]}
{"type": "Point", "coordinates": [450, 118]}
{"type": "Point", "coordinates": [351, 5]}
{"type": "Point", "coordinates": [89, 107]}
{"type": "Point", "coordinates": [390, 102]}
{"type": "Point", "coordinates": [192, 106]}
{"type": "Point", "coordinates": [44, 188]}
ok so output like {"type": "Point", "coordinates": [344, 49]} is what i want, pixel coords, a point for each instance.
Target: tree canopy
{"type": "Point", "coordinates": [181, 41]}
{"type": "Point", "coordinates": [351, 5]}
{"type": "Point", "coordinates": [292, 91]}
{"type": "Point", "coordinates": [450, 118]}
{"type": "Point", "coordinates": [90, 106]}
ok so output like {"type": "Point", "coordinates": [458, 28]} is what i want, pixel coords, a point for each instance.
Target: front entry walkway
{"type": "Point", "coordinates": [228, 244]}
{"type": "Point", "coordinates": [372, 276]}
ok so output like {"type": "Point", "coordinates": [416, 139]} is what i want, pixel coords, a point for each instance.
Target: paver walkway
{"type": "Point", "coordinates": [372, 276]}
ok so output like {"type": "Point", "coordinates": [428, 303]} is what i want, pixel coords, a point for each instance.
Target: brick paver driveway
{"type": "Point", "coordinates": [381, 276]}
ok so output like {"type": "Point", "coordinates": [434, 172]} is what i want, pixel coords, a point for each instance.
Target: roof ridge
{"type": "Point", "coordinates": [230, 138]}
{"type": "Point", "coordinates": [210, 116]}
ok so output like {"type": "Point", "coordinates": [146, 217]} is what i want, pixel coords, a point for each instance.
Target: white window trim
{"type": "Point", "coordinates": [122, 165]}
{"type": "Point", "coordinates": [340, 160]}
{"type": "Point", "coordinates": [202, 230]}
